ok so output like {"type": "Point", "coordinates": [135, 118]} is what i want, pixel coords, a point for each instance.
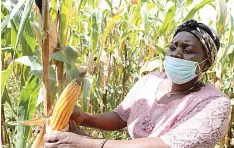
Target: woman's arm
{"type": "Point", "coordinates": [106, 121]}
{"type": "Point", "coordinates": [73, 140]}
{"type": "Point", "coordinates": [135, 143]}
{"type": "Point", "coordinates": [114, 120]}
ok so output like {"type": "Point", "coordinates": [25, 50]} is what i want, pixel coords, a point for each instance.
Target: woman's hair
{"type": "Point", "coordinates": [206, 35]}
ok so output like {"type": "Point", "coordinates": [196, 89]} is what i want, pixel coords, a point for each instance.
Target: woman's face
{"type": "Point", "coordinates": [186, 46]}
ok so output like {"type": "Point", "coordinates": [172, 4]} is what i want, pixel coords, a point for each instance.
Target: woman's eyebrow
{"type": "Point", "coordinates": [188, 44]}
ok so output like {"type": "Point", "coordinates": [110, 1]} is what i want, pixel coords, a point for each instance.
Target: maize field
{"type": "Point", "coordinates": [50, 47]}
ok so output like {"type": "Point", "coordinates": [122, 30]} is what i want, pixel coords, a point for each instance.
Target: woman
{"type": "Point", "coordinates": [172, 109]}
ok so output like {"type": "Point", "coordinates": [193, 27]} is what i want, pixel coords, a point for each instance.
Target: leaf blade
{"type": "Point", "coordinates": [24, 19]}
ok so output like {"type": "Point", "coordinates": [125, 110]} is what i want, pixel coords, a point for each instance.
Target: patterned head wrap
{"type": "Point", "coordinates": [206, 35]}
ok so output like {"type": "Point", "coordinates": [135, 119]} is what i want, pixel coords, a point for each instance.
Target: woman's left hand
{"type": "Point", "coordinates": [67, 139]}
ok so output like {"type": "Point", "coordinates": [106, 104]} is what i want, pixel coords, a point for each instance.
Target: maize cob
{"type": "Point", "coordinates": [65, 104]}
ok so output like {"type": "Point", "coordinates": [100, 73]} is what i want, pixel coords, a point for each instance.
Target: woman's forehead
{"type": "Point", "coordinates": [184, 36]}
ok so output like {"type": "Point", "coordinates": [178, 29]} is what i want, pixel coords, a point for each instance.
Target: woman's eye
{"type": "Point", "coordinates": [188, 51]}
{"type": "Point", "coordinates": [172, 47]}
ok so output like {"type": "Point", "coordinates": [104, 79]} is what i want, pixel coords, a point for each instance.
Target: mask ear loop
{"type": "Point", "coordinates": [199, 68]}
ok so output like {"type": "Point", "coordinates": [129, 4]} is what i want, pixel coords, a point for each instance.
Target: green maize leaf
{"type": "Point", "coordinates": [109, 3]}
{"type": "Point", "coordinates": [168, 20]}
{"type": "Point", "coordinates": [109, 27]}
{"type": "Point", "coordinates": [144, 14]}
{"type": "Point", "coordinates": [36, 67]}
{"type": "Point", "coordinates": [231, 32]}
{"type": "Point", "coordinates": [26, 12]}
{"type": "Point", "coordinates": [221, 16]}
{"type": "Point", "coordinates": [66, 10]}
{"type": "Point", "coordinates": [230, 49]}
{"type": "Point", "coordinates": [12, 14]}
{"type": "Point", "coordinates": [13, 35]}
{"type": "Point", "coordinates": [136, 13]}
{"type": "Point", "coordinates": [32, 103]}
{"type": "Point", "coordinates": [72, 72]}
{"type": "Point", "coordinates": [79, 6]}
{"type": "Point", "coordinates": [58, 55]}
{"type": "Point", "coordinates": [29, 37]}
{"type": "Point", "coordinates": [70, 54]}
{"type": "Point", "coordinates": [5, 75]}
{"type": "Point", "coordinates": [24, 76]}
{"type": "Point", "coordinates": [23, 112]}
{"type": "Point", "coordinates": [134, 40]}
{"type": "Point", "coordinates": [26, 50]}
{"type": "Point", "coordinates": [95, 27]}
{"type": "Point", "coordinates": [189, 2]}
{"type": "Point", "coordinates": [195, 9]}
{"type": "Point", "coordinates": [179, 8]}
{"type": "Point", "coordinates": [6, 98]}
{"type": "Point", "coordinates": [26, 60]}
{"type": "Point", "coordinates": [87, 86]}
{"type": "Point", "coordinates": [112, 98]}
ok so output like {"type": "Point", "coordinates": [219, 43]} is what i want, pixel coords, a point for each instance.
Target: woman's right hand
{"type": "Point", "coordinates": [77, 115]}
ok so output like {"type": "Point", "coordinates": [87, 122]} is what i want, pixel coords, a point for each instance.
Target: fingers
{"type": "Point", "coordinates": [55, 141]}
{"type": "Point", "coordinates": [73, 116]}
{"type": "Point", "coordinates": [51, 145]}
{"type": "Point", "coordinates": [77, 115]}
{"type": "Point", "coordinates": [72, 125]}
{"type": "Point", "coordinates": [51, 138]}
{"type": "Point", "coordinates": [56, 145]}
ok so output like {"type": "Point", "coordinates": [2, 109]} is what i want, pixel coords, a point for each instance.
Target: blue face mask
{"type": "Point", "coordinates": [180, 71]}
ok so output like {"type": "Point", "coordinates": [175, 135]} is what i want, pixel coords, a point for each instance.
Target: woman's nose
{"type": "Point", "coordinates": [177, 53]}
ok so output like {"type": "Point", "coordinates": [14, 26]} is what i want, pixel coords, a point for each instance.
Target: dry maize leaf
{"type": "Point", "coordinates": [90, 64]}
{"type": "Point", "coordinates": [33, 122]}
{"type": "Point", "coordinates": [38, 36]}
{"type": "Point", "coordinates": [39, 142]}
{"type": "Point", "coordinates": [68, 22]}
{"type": "Point", "coordinates": [233, 63]}
{"type": "Point", "coordinates": [151, 65]}
{"type": "Point", "coordinates": [141, 60]}
{"type": "Point", "coordinates": [218, 85]}
{"type": "Point", "coordinates": [121, 46]}
{"type": "Point", "coordinates": [151, 52]}
{"type": "Point", "coordinates": [53, 36]}
{"type": "Point", "coordinates": [133, 1]}
{"type": "Point", "coordinates": [119, 11]}
{"type": "Point", "coordinates": [82, 69]}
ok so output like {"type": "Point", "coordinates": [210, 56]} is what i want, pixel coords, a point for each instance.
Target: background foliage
{"type": "Point", "coordinates": [114, 46]}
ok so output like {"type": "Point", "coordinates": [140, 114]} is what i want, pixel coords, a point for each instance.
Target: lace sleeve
{"type": "Point", "coordinates": [124, 108]}
{"type": "Point", "coordinates": [202, 127]}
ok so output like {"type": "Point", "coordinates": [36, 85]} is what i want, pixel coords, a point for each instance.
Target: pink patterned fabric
{"type": "Point", "coordinates": [199, 119]}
